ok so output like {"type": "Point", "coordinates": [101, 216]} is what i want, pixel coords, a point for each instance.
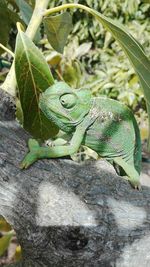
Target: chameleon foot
{"type": "Point", "coordinates": [32, 156]}
{"type": "Point", "coordinates": [135, 184]}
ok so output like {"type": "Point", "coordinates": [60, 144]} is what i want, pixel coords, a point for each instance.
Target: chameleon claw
{"type": "Point", "coordinates": [23, 166]}
{"type": "Point", "coordinates": [29, 159]}
{"type": "Point", "coordinates": [26, 166]}
{"type": "Point", "coordinates": [136, 185]}
{"type": "Point", "coordinates": [32, 155]}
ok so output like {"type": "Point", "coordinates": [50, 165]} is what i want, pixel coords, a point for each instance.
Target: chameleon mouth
{"type": "Point", "coordinates": [40, 97]}
{"type": "Point", "coordinates": [42, 101]}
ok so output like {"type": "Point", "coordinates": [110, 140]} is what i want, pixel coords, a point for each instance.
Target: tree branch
{"type": "Point", "coordinates": [69, 214]}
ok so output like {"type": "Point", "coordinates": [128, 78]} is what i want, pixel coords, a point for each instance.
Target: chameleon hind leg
{"type": "Point", "coordinates": [132, 175]}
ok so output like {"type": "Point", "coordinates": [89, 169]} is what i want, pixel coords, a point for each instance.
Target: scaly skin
{"type": "Point", "coordinates": [105, 125]}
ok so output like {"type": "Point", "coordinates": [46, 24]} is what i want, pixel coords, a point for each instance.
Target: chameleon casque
{"type": "Point", "coordinates": [102, 124]}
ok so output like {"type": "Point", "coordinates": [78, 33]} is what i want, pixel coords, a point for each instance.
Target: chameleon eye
{"type": "Point", "coordinates": [68, 100]}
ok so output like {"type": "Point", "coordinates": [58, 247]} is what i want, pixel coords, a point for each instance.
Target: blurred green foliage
{"type": "Point", "coordinates": [7, 235]}
{"type": "Point", "coordinates": [93, 57]}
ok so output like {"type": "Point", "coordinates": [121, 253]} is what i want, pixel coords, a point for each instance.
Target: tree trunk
{"type": "Point", "coordinates": [69, 214]}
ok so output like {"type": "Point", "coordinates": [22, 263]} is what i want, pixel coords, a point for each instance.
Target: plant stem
{"type": "Point", "coordinates": [10, 82]}
{"type": "Point", "coordinates": [65, 6]}
{"type": "Point", "coordinates": [7, 50]}
{"type": "Point", "coordinates": [36, 19]}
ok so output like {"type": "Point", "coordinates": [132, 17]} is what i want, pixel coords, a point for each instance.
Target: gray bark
{"type": "Point", "coordinates": [69, 214]}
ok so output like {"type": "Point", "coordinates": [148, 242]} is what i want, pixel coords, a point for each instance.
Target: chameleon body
{"type": "Point", "coordinates": [102, 124]}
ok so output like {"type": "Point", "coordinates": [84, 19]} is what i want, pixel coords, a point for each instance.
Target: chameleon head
{"type": "Point", "coordinates": [64, 105]}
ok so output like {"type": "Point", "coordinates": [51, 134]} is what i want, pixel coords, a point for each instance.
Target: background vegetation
{"type": "Point", "coordinates": [92, 55]}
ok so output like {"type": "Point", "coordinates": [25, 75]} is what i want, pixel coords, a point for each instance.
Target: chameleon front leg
{"type": "Point", "coordinates": [36, 152]}
{"type": "Point", "coordinates": [132, 175]}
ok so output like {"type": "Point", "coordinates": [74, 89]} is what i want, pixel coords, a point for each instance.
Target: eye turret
{"type": "Point", "coordinates": [68, 100]}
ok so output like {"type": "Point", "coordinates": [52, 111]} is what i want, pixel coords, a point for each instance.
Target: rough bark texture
{"type": "Point", "coordinates": [70, 215]}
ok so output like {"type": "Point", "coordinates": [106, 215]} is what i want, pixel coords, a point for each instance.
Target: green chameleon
{"type": "Point", "coordinates": [104, 125]}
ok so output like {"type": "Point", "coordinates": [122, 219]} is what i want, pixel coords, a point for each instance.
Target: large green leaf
{"type": "Point", "coordinates": [33, 77]}
{"type": "Point", "coordinates": [57, 29]}
{"type": "Point", "coordinates": [131, 47]}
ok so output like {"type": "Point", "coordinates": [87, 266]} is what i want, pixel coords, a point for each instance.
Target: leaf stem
{"type": "Point", "coordinates": [36, 19]}
{"type": "Point", "coordinates": [65, 6]}
{"type": "Point", "coordinates": [19, 26]}
{"type": "Point", "coordinates": [10, 84]}
{"type": "Point", "coordinates": [7, 50]}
